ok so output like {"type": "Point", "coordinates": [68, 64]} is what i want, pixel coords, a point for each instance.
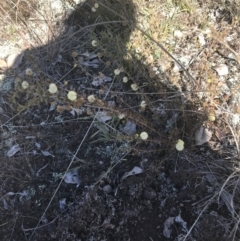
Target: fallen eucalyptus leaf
{"type": "Point", "coordinates": [102, 116]}
{"type": "Point", "coordinates": [5, 205]}
{"type": "Point", "coordinates": [24, 193]}
{"type": "Point", "coordinates": [179, 220]}
{"type": "Point", "coordinates": [62, 203]}
{"type": "Point", "coordinates": [30, 137]}
{"type": "Point", "coordinates": [228, 200]}
{"type": "Point", "coordinates": [202, 136]}
{"type": "Point", "coordinates": [38, 145]}
{"type": "Point", "coordinates": [72, 177]}
{"type": "Point", "coordinates": [89, 55]}
{"type": "Point", "coordinates": [14, 149]}
{"type": "Point", "coordinates": [98, 80]}
{"type": "Point", "coordinates": [10, 193]}
{"type": "Point", "coordinates": [134, 171]}
{"type": "Point", "coordinates": [47, 153]}
{"type": "Point", "coordinates": [129, 128]}
{"type": "Point", "coordinates": [89, 63]}
{"type": "Point", "coordinates": [167, 227]}
{"type": "Point", "coordinates": [77, 111]}
{"type": "Point", "coordinates": [14, 60]}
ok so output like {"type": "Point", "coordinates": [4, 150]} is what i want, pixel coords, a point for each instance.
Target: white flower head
{"type": "Point", "coordinates": [91, 98]}
{"type": "Point", "coordinates": [94, 43]}
{"type": "Point", "coordinates": [144, 135]}
{"type": "Point", "coordinates": [125, 79]}
{"type": "Point", "coordinates": [29, 72]}
{"type": "Point", "coordinates": [121, 116]}
{"type": "Point", "coordinates": [94, 9]}
{"type": "Point", "coordinates": [74, 54]}
{"type": "Point", "coordinates": [96, 5]}
{"type": "Point", "coordinates": [52, 88]}
{"type": "Point", "coordinates": [143, 104]}
{"type": "Point", "coordinates": [180, 145]}
{"type": "Point", "coordinates": [72, 95]}
{"type": "Point", "coordinates": [117, 71]}
{"type": "Point", "coordinates": [134, 87]}
{"type": "Point", "coordinates": [25, 84]}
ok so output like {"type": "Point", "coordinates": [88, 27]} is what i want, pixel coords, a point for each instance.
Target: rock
{"type": "Point", "coordinates": [14, 60]}
{"type": "Point", "coordinates": [222, 69]}
{"type": "Point", "coordinates": [107, 188]}
{"type": "Point", "coordinates": [149, 193]}
{"type": "Point", "coordinates": [3, 64]}
{"type": "Point", "coordinates": [177, 34]}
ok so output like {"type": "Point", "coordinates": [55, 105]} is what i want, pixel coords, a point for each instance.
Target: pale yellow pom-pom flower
{"type": "Point", "coordinates": [29, 72]}
{"type": "Point", "coordinates": [125, 79]}
{"type": "Point", "coordinates": [96, 5]}
{"type": "Point", "coordinates": [74, 54]}
{"type": "Point", "coordinates": [72, 95]}
{"type": "Point", "coordinates": [25, 84]}
{"type": "Point", "coordinates": [52, 88]}
{"type": "Point", "coordinates": [94, 9]}
{"type": "Point", "coordinates": [117, 71]}
{"type": "Point", "coordinates": [134, 87]}
{"type": "Point", "coordinates": [94, 43]}
{"type": "Point", "coordinates": [144, 135]}
{"type": "Point", "coordinates": [180, 145]}
{"type": "Point", "coordinates": [143, 104]}
{"type": "Point", "coordinates": [211, 117]}
{"type": "Point", "coordinates": [91, 98]}
{"type": "Point", "coordinates": [121, 116]}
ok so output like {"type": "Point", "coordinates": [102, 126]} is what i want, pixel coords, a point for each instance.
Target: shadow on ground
{"type": "Point", "coordinates": [97, 203]}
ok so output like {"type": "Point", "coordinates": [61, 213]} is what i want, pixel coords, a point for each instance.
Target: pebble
{"type": "Point", "coordinates": [3, 64]}
{"type": "Point", "coordinates": [149, 193]}
{"type": "Point", "coordinates": [107, 188]}
{"type": "Point", "coordinates": [222, 69]}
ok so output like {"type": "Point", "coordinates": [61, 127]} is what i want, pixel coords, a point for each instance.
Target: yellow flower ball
{"type": "Point", "coordinates": [94, 43]}
{"type": "Point", "coordinates": [211, 117]}
{"type": "Point", "coordinates": [134, 87]}
{"type": "Point", "coordinates": [52, 88]}
{"type": "Point", "coordinates": [180, 145]}
{"type": "Point", "coordinates": [91, 98]}
{"type": "Point", "coordinates": [143, 104]}
{"type": "Point", "coordinates": [144, 135]}
{"type": "Point", "coordinates": [117, 71]}
{"type": "Point", "coordinates": [125, 79]}
{"type": "Point", "coordinates": [74, 54]}
{"type": "Point", "coordinates": [72, 95]}
{"type": "Point", "coordinates": [121, 116]}
{"type": "Point", "coordinates": [29, 72]}
{"type": "Point", "coordinates": [25, 84]}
